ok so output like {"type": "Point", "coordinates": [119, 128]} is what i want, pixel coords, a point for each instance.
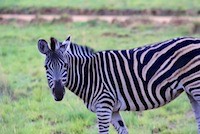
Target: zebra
{"type": "Point", "coordinates": [137, 79]}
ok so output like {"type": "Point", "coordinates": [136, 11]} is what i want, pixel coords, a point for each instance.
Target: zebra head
{"type": "Point", "coordinates": [56, 65]}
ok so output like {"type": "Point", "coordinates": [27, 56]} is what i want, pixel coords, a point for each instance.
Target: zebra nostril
{"type": "Point", "coordinates": [53, 90]}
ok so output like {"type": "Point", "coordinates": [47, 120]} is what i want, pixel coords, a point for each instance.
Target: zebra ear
{"type": "Point", "coordinates": [54, 44]}
{"type": "Point", "coordinates": [43, 46]}
{"type": "Point", "coordinates": [68, 38]}
{"type": "Point", "coordinates": [66, 44]}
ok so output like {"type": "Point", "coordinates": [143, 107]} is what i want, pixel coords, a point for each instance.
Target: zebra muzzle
{"type": "Point", "coordinates": [58, 91]}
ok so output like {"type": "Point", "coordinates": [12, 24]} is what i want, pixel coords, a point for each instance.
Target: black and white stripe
{"type": "Point", "coordinates": [55, 68]}
{"type": "Point", "coordinates": [134, 80]}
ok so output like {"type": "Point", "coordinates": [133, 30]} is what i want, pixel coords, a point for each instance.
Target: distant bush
{"type": "Point", "coordinates": [4, 87]}
{"type": "Point", "coordinates": [196, 28]}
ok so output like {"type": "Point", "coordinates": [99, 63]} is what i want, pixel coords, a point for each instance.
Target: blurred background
{"type": "Point", "coordinates": [26, 103]}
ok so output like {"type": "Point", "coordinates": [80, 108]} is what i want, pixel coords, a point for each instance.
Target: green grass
{"type": "Point", "coordinates": [100, 4]}
{"type": "Point", "coordinates": [32, 109]}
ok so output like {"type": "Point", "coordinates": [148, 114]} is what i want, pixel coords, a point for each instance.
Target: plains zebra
{"type": "Point", "coordinates": [117, 80]}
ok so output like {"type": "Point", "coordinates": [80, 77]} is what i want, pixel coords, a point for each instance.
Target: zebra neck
{"type": "Point", "coordinates": [79, 74]}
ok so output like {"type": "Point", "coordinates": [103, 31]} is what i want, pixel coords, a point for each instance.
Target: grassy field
{"type": "Point", "coordinates": [100, 4]}
{"type": "Point", "coordinates": [26, 104]}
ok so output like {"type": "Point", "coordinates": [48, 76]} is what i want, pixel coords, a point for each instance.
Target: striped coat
{"type": "Point", "coordinates": [133, 80]}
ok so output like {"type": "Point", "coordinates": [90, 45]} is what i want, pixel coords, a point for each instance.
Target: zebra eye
{"type": "Point", "coordinates": [46, 67]}
{"type": "Point", "coordinates": [65, 65]}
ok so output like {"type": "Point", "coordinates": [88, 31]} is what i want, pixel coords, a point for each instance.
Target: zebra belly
{"type": "Point", "coordinates": [137, 104]}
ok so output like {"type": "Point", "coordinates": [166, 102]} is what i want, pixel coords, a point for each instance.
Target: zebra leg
{"type": "Point", "coordinates": [104, 114]}
{"type": "Point", "coordinates": [118, 123]}
{"type": "Point", "coordinates": [195, 102]}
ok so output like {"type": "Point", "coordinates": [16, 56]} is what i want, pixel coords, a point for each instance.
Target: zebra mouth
{"type": "Point", "coordinates": [58, 99]}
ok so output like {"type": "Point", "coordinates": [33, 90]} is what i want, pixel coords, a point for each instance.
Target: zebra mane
{"type": "Point", "coordinates": [86, 49]}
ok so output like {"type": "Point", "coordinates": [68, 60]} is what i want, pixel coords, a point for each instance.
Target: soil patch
{"type": "Point", "coordinates": [109, 34]}
{"type": "Point", "coordinates": [122, 20]}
